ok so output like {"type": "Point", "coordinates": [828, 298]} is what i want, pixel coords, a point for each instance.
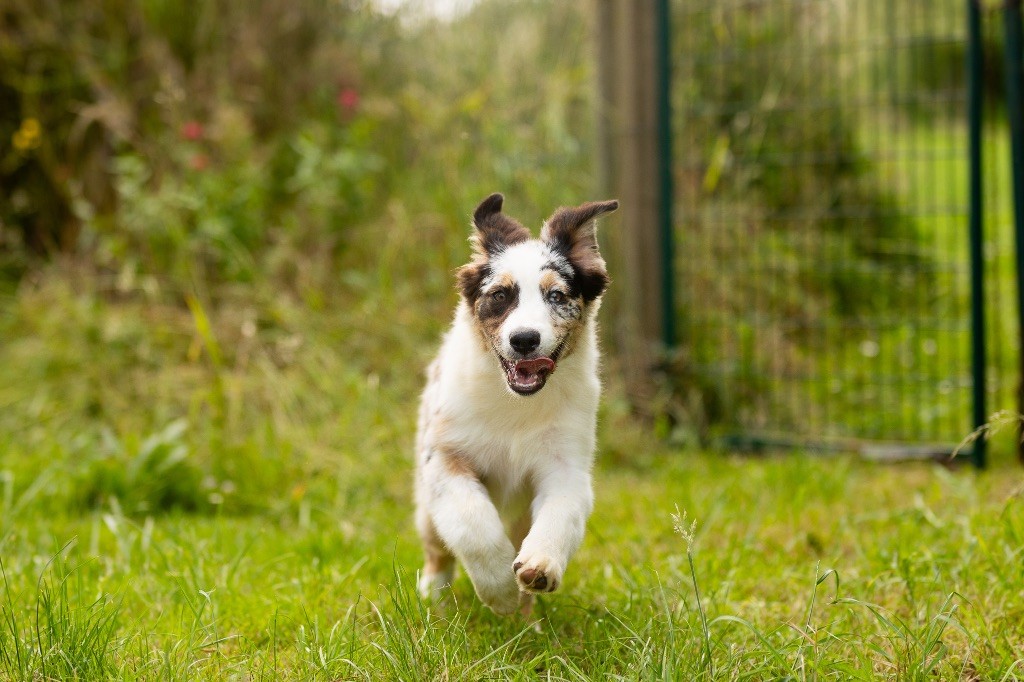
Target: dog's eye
{"type": "Point", "coordinates": [498, 296]}
{"type": "Point", "coordinates": [556, 297]}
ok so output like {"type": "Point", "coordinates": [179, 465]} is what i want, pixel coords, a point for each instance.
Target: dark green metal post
{"type": "Point", "coordinates": [666, 190]}
{"type": "Point", "coordinates": [975, 70]}
{"type": "Point", "coordinates": [1012, 56]}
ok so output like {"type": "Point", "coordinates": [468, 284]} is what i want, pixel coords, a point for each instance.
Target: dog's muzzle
{"type": "Point", "coordinates": [526, 377]}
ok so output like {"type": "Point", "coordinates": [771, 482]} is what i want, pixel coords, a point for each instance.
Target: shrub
{"type": "Point", "coordinates": [190, 104]}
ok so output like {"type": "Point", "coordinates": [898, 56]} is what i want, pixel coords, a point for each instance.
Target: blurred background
{"type": "Point", "coordinates": [228, 230]}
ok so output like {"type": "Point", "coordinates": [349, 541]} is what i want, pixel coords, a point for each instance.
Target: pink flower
{"type": "Point", "coordinates": [348, 99]}
{"type": "Point", "coordinates": [192, 130]}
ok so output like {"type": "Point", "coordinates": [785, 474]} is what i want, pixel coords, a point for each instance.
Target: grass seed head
{"type": "Point", "coordinates": [688, 533]}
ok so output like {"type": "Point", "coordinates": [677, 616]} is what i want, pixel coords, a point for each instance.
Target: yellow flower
{"type": "Point", "coordinates": [27, 136]}
{"type": "Point", "coordinates": [31, 127]}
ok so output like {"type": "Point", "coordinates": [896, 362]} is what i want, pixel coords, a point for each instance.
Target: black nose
{"type": "Point", "coordinates": [525, 341]}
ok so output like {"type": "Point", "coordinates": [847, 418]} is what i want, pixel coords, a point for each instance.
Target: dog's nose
{"type": "Point", "coordinates": [525, 340]}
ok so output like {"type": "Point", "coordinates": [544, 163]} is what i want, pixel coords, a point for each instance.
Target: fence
{"type": "Point", "coordinates": [825, 183]}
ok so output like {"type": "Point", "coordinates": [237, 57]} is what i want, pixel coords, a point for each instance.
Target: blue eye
{"type": "Point", "coordinates": [556, 297]}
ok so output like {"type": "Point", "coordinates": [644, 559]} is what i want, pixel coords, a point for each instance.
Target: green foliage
{"type": "Point", "coordinates": [304, 567]}
{"type": "Point", "coordinates": [925, 74]}
{"type": "Point", "coordinates": [153, 126]}
{"type": "Point", "coordinates": [794, 238]}
{"type": "Point", "coordinates": [216, 222]}
{"type": "Point", "coordinates": [153, 476]}
{"type": "Point", "coordinates": [234, 460]}
{"type": "Point", "coordinates": [230, 144]}
{"type": "Point", "coordinates": [781, 128]}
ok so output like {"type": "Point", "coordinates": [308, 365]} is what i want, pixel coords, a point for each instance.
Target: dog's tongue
{"type": "Point", "coordinates": [530, 371]}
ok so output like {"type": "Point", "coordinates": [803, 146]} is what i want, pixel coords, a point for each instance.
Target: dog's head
{"type": "Point", "coordinates": [531, 298]}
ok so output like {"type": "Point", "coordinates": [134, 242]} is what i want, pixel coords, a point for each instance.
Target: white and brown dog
{"type": "Point", "coordinates": [505, 443]}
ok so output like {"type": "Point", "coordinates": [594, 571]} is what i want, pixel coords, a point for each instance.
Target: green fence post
{"type": "Point", "coordinates": [666, 237]}
{"type": "Point", "coordinates": [1012, 57]}
{"type": "Point", "coordinates": [975, 70]}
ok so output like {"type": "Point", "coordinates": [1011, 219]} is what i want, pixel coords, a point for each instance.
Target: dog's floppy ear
{"type": "Point", "coordinates": [495, 230]}
{"type": "Point", "coordinates": [572, 232]}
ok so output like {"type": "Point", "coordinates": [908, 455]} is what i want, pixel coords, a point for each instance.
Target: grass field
{"type": "Point", "coordinates": [207, 413]}
{"type": "Point", "coordinates": [198, 493]}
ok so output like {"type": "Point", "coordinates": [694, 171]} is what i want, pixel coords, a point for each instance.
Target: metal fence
{"type": "Point", "coordinates": [823, 196]}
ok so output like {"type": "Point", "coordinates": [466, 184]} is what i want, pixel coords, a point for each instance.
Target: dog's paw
{"type": "Point", "coordinates": [537, 573]}
{"type": "Point", "coordinates": [502, 597]}
{"type": "Point", "coordinates": [433, 586]}
{"type": "Point", "coordinates": [501, 605]}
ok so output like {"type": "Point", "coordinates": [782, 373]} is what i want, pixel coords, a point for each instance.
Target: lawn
{"type": "Point", "coordinates": [207, 408]}
{"type": "Point", "coordinates": [186, 495]}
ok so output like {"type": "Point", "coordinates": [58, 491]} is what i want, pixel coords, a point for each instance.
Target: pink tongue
{"type": "Point", "coordinates": [526, 370]}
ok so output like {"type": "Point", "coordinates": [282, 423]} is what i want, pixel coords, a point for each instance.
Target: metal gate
{"type": "Point", "coordinates": [827, 182]}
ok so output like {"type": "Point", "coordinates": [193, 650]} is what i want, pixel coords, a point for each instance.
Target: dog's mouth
{"type": "Point", "coordinates": [526, 377]}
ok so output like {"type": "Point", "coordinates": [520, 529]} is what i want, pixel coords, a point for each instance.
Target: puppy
{"type": "Point", "coordinates": [506, 431]}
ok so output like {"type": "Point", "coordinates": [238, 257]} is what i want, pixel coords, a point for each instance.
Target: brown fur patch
{"type": "Point", "coordinates": [457, 464]}
{"type": "Point", "coordinates": [520, 529]}
{"type": "Point", "coordinates": [572, 232]}
{"type": "Point", "coordinates": [490, 313]}
{"type": "Point", "coordinates": [505, 281]}
{"type": "Point", "coordinates": [438, 559]}
{"type": "Point", "coordinates": [470, 279]}
{"type": "Point", "coordinates": [550, 280]}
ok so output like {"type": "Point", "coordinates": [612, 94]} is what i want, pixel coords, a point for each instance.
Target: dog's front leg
{"type": "Point", "coordinates": [469, 525]}
{"type": "Point", "coordinates": [560, 509]}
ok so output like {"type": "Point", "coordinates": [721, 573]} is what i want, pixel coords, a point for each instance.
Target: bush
{"type": "Point", "coordinates": [193, 106]}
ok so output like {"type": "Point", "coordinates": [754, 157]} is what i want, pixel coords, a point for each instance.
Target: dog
{"type": "Point", "coordinates": [507, 421]}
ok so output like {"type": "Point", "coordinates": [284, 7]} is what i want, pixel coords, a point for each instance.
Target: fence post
{"type": "Point", "coordinates": [975, 71]}
{"type": "Point", "coordinates": [635, 131]}
{"type": "Point", "coordinates": [1012, 56]}
{"type": "Point", "coordinates": [666, 222]}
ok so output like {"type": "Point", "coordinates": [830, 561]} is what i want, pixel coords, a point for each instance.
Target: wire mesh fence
{"type": "Point", "coordinates": [821, 202]}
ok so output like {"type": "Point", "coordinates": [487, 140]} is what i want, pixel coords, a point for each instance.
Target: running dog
{"type": "Point", "coordinates": [506, 431]}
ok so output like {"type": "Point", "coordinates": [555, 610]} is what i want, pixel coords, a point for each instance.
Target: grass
{"type": "Point", "coordinates": [206, 478]}
{"type": "Point", "coordinates": [253, 520]}
{"type": "Point", "coordinates": [799, 568]}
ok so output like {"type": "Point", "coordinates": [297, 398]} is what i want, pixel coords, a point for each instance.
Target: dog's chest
{"type": "Point", "coordinates": [503, 449]}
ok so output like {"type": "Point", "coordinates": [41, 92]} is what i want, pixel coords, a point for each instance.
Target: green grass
{"type": "Point", "coordinates": [205, 471]}
{"type": "Point", "coordinates": [803, 568]}
{"type": "Point", "coordinates": [185, 496]}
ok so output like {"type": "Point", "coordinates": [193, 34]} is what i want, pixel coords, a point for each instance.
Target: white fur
{"type": "Point", "coordinates": [529, 495]}
{"type": "Point", "coordinates": [524, 262]}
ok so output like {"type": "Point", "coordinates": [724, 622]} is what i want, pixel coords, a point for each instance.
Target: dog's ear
{"type": "Point", "coordinates": [470, 278]}
{"type": "Point", "coordinates": [495, 230]}
{"type": "Point", "coordinates": [572, 232]}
